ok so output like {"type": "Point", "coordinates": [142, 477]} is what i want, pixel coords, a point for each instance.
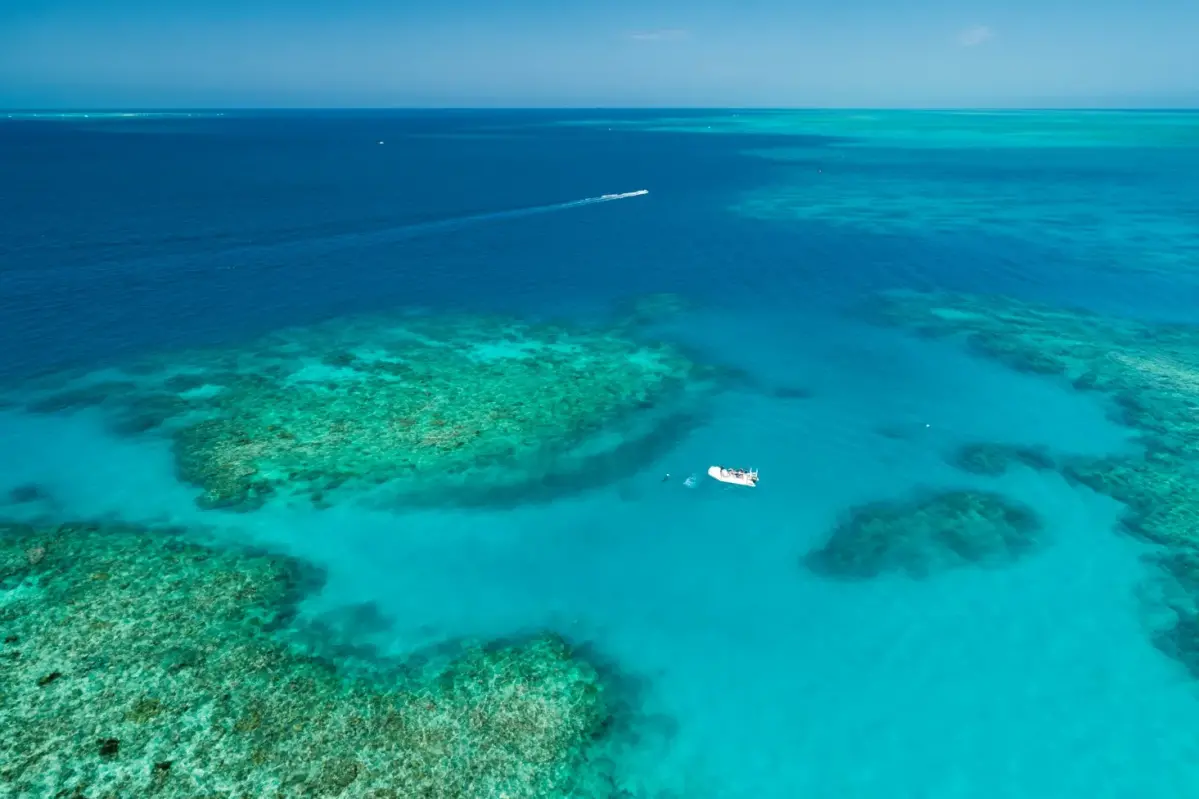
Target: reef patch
{"type": "Point", "coordinates": [928, 533]}
{"type": "Point", "coordinates": [991, 459]}
{"type": "Point", "coordinates": [1148, 372]}
{"type": "Point", "coordinates": [1148, 375]}
{"type": "Point", "coordinates": [408, 409]}
{"type": "Point", "coordinates": [138, 663]}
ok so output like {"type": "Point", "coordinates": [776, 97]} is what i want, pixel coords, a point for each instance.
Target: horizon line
{"type": "Point", "coordinates": [472, 108]}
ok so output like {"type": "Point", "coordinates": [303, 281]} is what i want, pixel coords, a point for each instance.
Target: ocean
{"type": "Point", "coordinates": [972, 631]}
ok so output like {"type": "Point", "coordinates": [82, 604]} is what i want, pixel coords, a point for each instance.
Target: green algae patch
{"type": "Point", "coordinates": [136, 663]}
{"type": "Point", "coordinates": [410, 409]}
{"type": "Point", "coordinates": [928, 534]}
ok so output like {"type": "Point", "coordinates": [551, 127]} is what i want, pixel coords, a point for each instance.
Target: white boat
{"type": "Point", "coordinates": [741, 477]}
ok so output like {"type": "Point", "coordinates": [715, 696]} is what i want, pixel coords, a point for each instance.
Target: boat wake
{"type": "Point", "coordinates": [637, 193]}
{"type": "Point", "coordinates": [283, 252]}
{"type": "Point", "coordinates": [332, 243]}
{"type": "Point", "coordinates": [447, 224]}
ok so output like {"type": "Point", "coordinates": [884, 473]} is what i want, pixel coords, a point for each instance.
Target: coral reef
{"type": "Point", "coordinates": [992, 459]}
{"type": "Point", "coordinates": [956, 199]}
{"type": "Point", "coordinates": [1150, 372]}
{"type": "Point", "coordinates": [927, 534]}
{"type": "Point", "coordinates": [887, 131]}
{"type": "Point", "coordinates": [463, 409]}
{"type": "Point", "coordinates": [1150, 375]}
{"type": "Point", "coordinates": [138, 663]}
{"type": "Point", "coordinates": [1173, 603]}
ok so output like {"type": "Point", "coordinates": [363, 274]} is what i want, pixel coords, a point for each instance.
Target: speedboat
{"type": "Point", "coordinates": [740, 477]}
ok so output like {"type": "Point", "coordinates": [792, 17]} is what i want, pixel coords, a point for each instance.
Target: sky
{"type": "Point", "coordinates": [623, 53]}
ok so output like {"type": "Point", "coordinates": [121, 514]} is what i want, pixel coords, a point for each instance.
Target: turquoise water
{"type": "Point", "coordinates": [760, 678]}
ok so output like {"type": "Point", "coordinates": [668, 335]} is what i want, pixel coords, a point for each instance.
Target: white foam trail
{"type": "Point", "coordinates": [453, 223]}
{"type": "Point", "coordinates": [603, 198]}
{"type": "Point", "coordinates": [424, 227]}
{"type": "Point", "coordinates": [637, 193]}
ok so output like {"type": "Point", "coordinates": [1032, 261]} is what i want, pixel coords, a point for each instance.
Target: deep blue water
{"type": "Point", "coordinates": [115, 235]}
{"type": "Point", "coordinates": [182, 236]}
{"type": "Point", "coordinates": [145, 236]}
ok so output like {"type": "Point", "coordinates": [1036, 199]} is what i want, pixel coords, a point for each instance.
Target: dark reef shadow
{"type": "Point", "coordinates": [348, 634]}
{"type": "Point", "coordinates": [789, 392]}
{"type": "Point", "coordinates": [1169, 599]}
{"type": "Point", "coordinates": [29, 494]}
{"type": "Point", "coordinates": [628, 460]}
{"type": "Point", "coordinates": [990, 459]}
{"type": "Point", "coordinates": [79, 398]}
{"type": "Point", "coordinates": [734, 377]}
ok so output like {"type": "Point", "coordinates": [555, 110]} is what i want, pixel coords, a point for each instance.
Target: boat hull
{"type": "Point", "coordinates": [728, 477]}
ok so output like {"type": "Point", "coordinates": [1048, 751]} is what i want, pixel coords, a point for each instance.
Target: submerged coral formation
{"type": "Point", "coordinates": [1150, 374]}
{"type": "Point", "coordinates": [1173, 602]}
{"type": "Point", "coordinates": [953, 197]}
{"type": "Point", "coordinates": [136, 663]}
{"type": "Point", "coordinates": [469, 407]}
{"type": "Point", "coordinates": [1048, 130]}
{"type": "Point", "coordinates": [646, 310]}
{"type": "Point", "coordinates": [991, 459]}
{"type": "Point", "coordinates": [927, 534]}
{"type": "Point", "coordinates": [27, 493]}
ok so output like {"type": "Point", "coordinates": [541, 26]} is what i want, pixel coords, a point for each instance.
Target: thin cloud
{"type": "Point", "coordinates": [973, 37]}
{"type": "Point", "coordinates": [666, 34]}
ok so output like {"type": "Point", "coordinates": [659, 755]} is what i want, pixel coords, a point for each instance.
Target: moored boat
{"type": "Point", "coordinates": [741, 477]}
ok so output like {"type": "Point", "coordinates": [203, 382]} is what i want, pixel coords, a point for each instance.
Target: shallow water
{"type": "Point", "coordinates": [1033, 679]}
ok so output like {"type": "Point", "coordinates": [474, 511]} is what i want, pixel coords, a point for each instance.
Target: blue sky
{"type": "Point", "coordinates": [877, 53]}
